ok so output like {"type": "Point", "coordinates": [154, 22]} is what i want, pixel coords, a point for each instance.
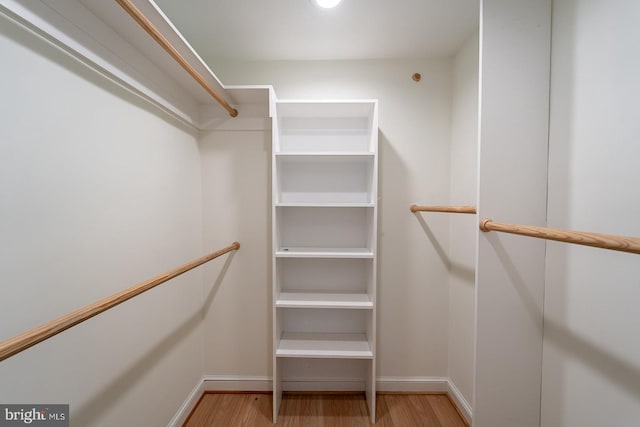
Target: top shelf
{"type": "Point", "coordinates": [331, 127]}
{"type": "Point", "coordinates": [328, 108]}
{"type": "Point", "coordinates": [339, 154]}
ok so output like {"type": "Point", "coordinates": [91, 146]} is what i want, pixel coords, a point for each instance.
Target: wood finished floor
{"type": "Point", "coordinates": [324, 410]}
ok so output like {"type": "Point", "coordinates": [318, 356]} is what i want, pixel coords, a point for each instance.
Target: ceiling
{"type": "Point", "coordinates": [266, 30]}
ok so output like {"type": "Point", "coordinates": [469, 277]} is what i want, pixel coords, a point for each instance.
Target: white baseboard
{"type": "Point", "coordinates": [428, 385]}
{"type": "Point", "coordinates": [236, 383]}
{"type": "Point", "coordinates": [323, 384]}
{"type": "Point", "coordinates": [413, 384]}
{"type": "Point", "coordinates": [240, 383]}
{"type": "Point", "coordinates": [458, 399]}
{"type": "Point", "coordinates": [192, 400]}
{"type": "Point", "coordinates": [383, 384]}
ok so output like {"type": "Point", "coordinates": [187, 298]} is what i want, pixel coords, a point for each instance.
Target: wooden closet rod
{"type": "Point", "coordinates": [604, 241]}
{"type": "Point", "coordinates": [45, 331]}
{"type": "Point", "coordinates": [449, 209]}
{"type": "Point", "coordinates": [142, 20]}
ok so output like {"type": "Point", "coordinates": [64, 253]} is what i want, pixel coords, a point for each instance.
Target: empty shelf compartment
{"type": "Point", "coordinates": [324, 345]}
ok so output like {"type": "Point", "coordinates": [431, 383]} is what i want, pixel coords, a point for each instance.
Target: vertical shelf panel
{"type": "Point", "coordinates": [324, 181]}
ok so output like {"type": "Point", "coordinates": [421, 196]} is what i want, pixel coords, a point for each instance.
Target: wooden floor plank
{"type": "Point", "coordinates": [344, 411]}
{"type": "Point", "coordinates": [324, 410]}
{"type": "Point", "coordinates": [258, 410]}
{"type": "Point", "coordinates": [383, 417]}
{"type": "Point", "coordinates": [300, 410]}
{"type": "Point", "coordinates": [399, 410]}
{"type": "Point", "coordinates": [411, 410]}
{"type": "Point", "coordinates": [446, 412]}
{"type": "Point", "coordinates": [424, 411]}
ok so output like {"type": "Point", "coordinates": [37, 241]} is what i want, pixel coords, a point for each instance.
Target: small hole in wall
{"type": "Point", "coordinates": [416, 77]}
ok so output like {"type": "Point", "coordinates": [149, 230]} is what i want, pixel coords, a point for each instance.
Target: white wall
{"type": "Point", "coordinates": [591, 374]}
{"type": "Point", "coordinates": [97, 192]}
{"type": "Point", "coordinates": [237, 206]}
{"type": "Point", "coordinates": [514, 101]}
{"type": "Point", "coordinates": [414, 167]}
{"type": "Point", "coordinates": [462, 246]}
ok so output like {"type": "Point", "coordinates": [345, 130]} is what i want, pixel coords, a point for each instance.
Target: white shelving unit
{"type": "Point", "coordinates": [325, 173]}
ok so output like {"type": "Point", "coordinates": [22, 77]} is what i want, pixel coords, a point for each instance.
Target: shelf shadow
{"type": "Point", "coordinates": [624, 373]}
{"type": "Point", "coordinates": [442, 254]}
{"type": "Point", "coordinates": [105, 399]}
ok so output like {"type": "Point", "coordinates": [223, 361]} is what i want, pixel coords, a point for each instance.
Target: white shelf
{"type": "Point", "coordinates": [296, 252]}
{"type": "Point", "coordinates": [326, 108]}
{"type": "Point", "coordinates": [306, 155]}
{"type": "Point", "coordinates": [325, 205]}
{"type": "Point", "coordinates": [324, 300]}
{"type": "Point", "coordinates": [324, 199]}
{"type": "Point", "coordinates": [324, 346]}
{"type": "Point", "coordinates": [320, 198]}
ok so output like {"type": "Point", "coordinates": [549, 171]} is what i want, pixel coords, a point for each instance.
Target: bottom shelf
{"type": "Point", "coordinates": [324, 300]}
{"type": "Point", "coordinates": [324, 345]}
